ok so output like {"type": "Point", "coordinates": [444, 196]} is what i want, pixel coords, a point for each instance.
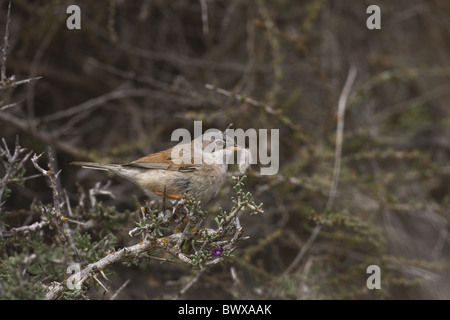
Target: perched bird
{"type": "Point", "coordinates": [177, 171]}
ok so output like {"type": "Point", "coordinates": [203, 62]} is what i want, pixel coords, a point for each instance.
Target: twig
{"type": "Point", "coordinates": [267, 108]}
{"type": "Point", "coordinates": [5, 46]}
{"type": "Point", "coordinates": [67, 229]}
{"type": "Point", "coordinates": [112, 21]}
{"type": "Point", "coordinates": [96, 102]}
{"type": "Point", "coordinates": [184, 61]}
{"type": "Point", "coordinates": [118, 291]}
{"type": "Point", "coordinates": [89, 271]}
{"type": "Point", "coordinates": [12, 84]}
{"type": "Point", "coordinates": [304, 249]}
{"type": "Point", "coordinates": [98, 189]}
{"type": "Point", "coordinates": [252, 207]}
{"type": "Point", "coordinates": [34, 176]}
{"type": "Point", "coordinates": [340, 133]}
{"type": "Point", "coordinates": [337, 165]}
{"type": "Point", "coordinates": [49, 139]}
{"type": "Point", "coordinates": [242, 98]}
{"type": "Point", "coordinates": [99, 282]}
{"type": "Point", "coordinates": [277, 57]}
{"type": "Point", "coordinates": [189, 284]}
{"type": "Point", "coordinates": [56, 216]}
{"type": "Point", "coordinates": [11, 105]}
{"type": "Point", "coordinates": [39, 54]}
{"type": "Point", "coordinates": [226, 237]}
{"type": "Point", "coordinates": [205, 22]}
{"type": "Point", "coordinates": [31, 228]}
{"type": "Point", "coordinates": [12, 167]}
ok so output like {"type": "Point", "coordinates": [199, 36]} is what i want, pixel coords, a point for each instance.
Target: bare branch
{"type": "Point", "coordinates": [56, 217]}
{"type": "Point", "coordinates": [225, 237]}
{"type": "Point", "coordinates": [118, 291]}
{"type": "Point", "coordinates": [11, 105]}
{"type": "Point", "coordinates": [267, 108]}
{"type": "Point", "coordinates": [190, 283]}
{"type": "Point", "coordinates": [6, 82]}
{"type": "Point", "coordinates": [205, 22]}
{"type": "Point", "coordinates": [12, 83]}
{"type": "Point", "coordinates": [29, 126]}
{"type": "Point", "coordinates": [92, 104]}
{"type": "Point", "coordinates": [31, 228]}
{"type": "Point", "coordinates": [15, 164]}
{"type": "Point", "coordinates": [125, 253]}
{"type": "Point", "coordinates": [5, 46]}
{"type": "Point", "coordinates": [337, 165]}
{"type": "Point", "coordinates": [340, 132]}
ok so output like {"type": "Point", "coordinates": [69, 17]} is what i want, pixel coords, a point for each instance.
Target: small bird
{"type": "Point", "coordinates": [161, 175]}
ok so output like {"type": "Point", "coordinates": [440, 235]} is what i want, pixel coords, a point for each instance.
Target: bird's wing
{"type": "Point", "coordinates": [162, 160]}
{"type": "Point", "coordinates": [163, 166]}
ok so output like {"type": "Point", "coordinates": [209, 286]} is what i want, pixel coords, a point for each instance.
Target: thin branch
{"type": "Point", "coordinates": [56, 216]}
{"type": "Point", "coordinates": [31, 228]}
{"type": "Point", "coordinates": [304, 249]}
{"type": "Point", "coordinates": [14, 163]}
{"type": "Point", "coordinates": [226, 237]}
{"type": "Point", "coordinates": [189, 284]}
{"type": "Point", "coordinates": [205, 22]}
{"type": "Point", "coordinates": [99, 282]}
{"type": "Point", "coordinates": [89, 271]}
{"type": "Point", "coordinates": [337, 165]}
{"type": "Point", "coordinates": [112, 21]}
{"type": "Point", "coordinates": [186, 61]}
{"type": "Point", "coordinates": [16, 180]}
{"type": "Point", "coordinates": [5, 46]}
{"type": "Point", "coordinates": [6, 82]}
{"type": "Point", "coordinates": [11, 105]}
{"type": "Point", "coordinates": [12, 84]}
{"type": "Point", "coordinates": [49, 139]}
{"type": "Point", "coordinates": [96, 102]}
{"type": "Point", "coordinates": [35, 64]}
{"type": "Point", "coordinates": [267, 108]}
{"type": "Point", "coordinates": [340, 133]}
{"type": "Point", "coordinates": [98, 189]}
{"type": "Point", "coordinates": [118, 291]}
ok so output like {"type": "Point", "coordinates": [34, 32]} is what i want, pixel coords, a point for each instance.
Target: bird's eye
{"type": "Point", "coordinates": [219, 142]}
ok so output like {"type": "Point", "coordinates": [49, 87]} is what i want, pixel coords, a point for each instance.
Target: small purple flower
{"type": "Point", "coordinates": [217, 251]}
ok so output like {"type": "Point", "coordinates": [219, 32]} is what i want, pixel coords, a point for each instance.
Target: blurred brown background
{"type": "Point", "coordinates": [116, 89]}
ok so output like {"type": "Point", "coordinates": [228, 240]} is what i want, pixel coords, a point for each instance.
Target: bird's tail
{"type": "Point", "coordinates": [123, 170]}
{"type": "Point", "coordinates": [96, 166]}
